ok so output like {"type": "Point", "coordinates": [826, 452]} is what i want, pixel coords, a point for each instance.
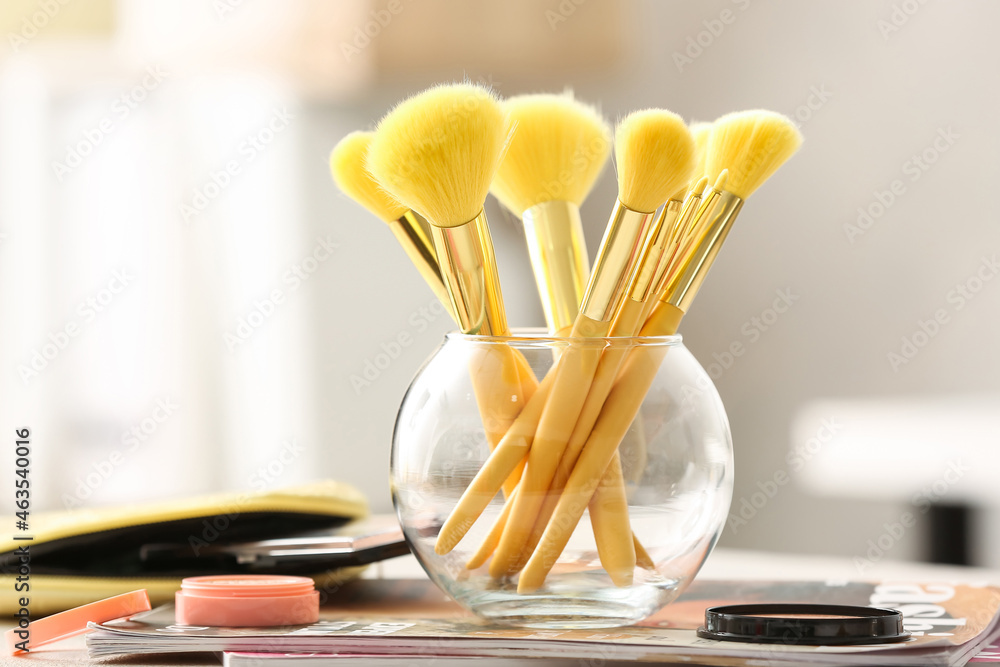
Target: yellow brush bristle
{"type": "Point", "coordinates": [701, 133]}
{"type": "Point", "coordinates": [437, 151]}
{"type": "Point", "coordinates": [654, 154]}
{"type": "Point", "coordinates": [556, 154]}
{"type": "Point", "coordinates": [751, 145]}
{"type": "Point", "coordinates": [699, 187]}
{"type": "Point", "coordinates": [347, 164]}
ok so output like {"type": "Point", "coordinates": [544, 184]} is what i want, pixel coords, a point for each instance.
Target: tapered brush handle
{"type": "Point", "coordinates": [615, 542]}
{"type": "Point", "coordinates": [493, 537]}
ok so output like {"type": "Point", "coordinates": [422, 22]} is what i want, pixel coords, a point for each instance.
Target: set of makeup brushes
{"type": "Point", "coordinates": [434, 158]}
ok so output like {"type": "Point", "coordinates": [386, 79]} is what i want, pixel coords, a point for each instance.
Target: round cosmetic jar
{"type": "Point", "coordinates": [247, 601]}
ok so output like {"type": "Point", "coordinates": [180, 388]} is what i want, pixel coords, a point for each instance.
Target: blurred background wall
{"type": "Point", "coordinates": [190, 305]}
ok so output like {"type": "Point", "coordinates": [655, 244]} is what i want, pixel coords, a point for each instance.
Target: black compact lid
{"type": "Point", "coordinates": [813, 624]}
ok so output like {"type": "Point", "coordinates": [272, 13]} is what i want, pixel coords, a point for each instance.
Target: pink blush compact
{"type": "Point", "coordinates": [247, 600]}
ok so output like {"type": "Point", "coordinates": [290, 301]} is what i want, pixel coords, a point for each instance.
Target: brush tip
{"type": "Point", "coordinates": [347, 166]}
{"type": "Point", "coordinates": [437, 151]}
{"type": "Point", "coordinates": [700, 186]}
{"type": "Point", "coordinates": [557, 153]}
{"type": "Point", "coordinates": [752, 145]}
{"type": "Point", "coordinates": [655, 155]}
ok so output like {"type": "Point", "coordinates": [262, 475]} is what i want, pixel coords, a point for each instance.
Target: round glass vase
{"type": "Point", "coordinates": [676, 463]}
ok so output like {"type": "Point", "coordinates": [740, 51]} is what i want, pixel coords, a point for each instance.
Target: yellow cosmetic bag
{"type": "Point", "coordinates": [86, 554]}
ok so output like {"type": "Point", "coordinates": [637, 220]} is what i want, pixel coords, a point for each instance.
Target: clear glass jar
{"type": "Point", "coordinates": [676, 461]}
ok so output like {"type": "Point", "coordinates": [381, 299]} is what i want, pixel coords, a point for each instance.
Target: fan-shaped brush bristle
{"type": "Point", "coordinates": [347, 164]}
{"type": "Point", "coordinates": [701, 133]}
{"type": "Point", "coordinates": [556, 154]}
{"type": "Point", "coordinates": [751, 145]}
{"type": "Point", "coordinates": [437, 151]}
{"type": "Point", "coordinates": [654, 153]}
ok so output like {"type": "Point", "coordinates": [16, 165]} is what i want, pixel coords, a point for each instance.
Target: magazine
{"type": "Point", "coordinates": [949, 624]}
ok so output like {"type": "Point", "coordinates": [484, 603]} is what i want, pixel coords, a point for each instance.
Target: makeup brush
{"type": "Point", "coordinates": [436, 153]}
{"type": "Point", "coordinates": [647, 146]}
{"type": "Point", "coordinates": [627, 322]}
{"type": "Point", "coordinates": [609, 506]}
{"type": "Point", "coordinates": [654, 153]}
{"type": "Point", "coordinates": [347, 165]}
{"type": "Point", "coordinates": [607, 500]}
{"type": "Point", "coordinates": [554, 158]}
{"type": "Point", "coordinates": [751, 145]}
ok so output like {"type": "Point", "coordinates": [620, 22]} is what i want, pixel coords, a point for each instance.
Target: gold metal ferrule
{"type": "Point", "coordinates": [654, 254]}
{"type": "Point", "coordinates": [689, 235]}
{"type": "Point", "coordinates": [411, 232]}
{"type": "Point", "coordinates": [559, 261]}
{"type": "Point", "coordinates": [469, 271]}
{"type": "Point", "coordinates": [721, 209]}
{"type": "Point", "coordinates": [616, 260]}
{"type": "Point", "coordinates": [675, 243]}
